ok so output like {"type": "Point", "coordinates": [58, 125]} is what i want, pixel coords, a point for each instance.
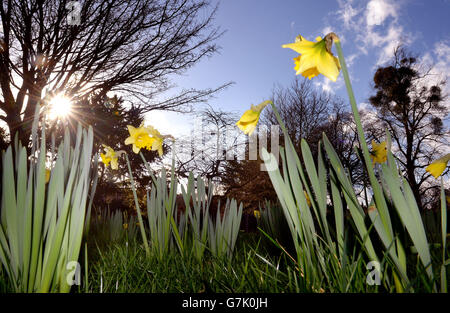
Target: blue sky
{"type": "Point", "coordinates": [252, 57]}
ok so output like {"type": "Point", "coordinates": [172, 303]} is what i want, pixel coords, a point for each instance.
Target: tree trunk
{"type": "Point", "coordinates": [414, 186]}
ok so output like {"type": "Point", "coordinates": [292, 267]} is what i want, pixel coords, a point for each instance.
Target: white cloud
{"type": "Point", "coordinates": [394, 36]}
{"type": "Point", "coordinates": [376, 14]}
{"type": "Point", "coordinates": [325, 84]}
{"type": "Point", "coordinates": [347, 13]}
{"type": "Point", "coordinates": [373, 24]}
{"type": "Point", "coordinates": [176, 124]}
{"type": "Point", "coordinates": [350, 60]}
{"type": "Point", "coordinates": [439, 61]}
{"type": "Point", "coordinates": [442, 51]}
{"type": "Point", "coordinates": [363, 106]}
{"type": "Point", "coordinates": [327, 30]}
{"type": "Point", "coordinates": [328, 85]}
{"type": "Point", "coordinates": [377, 11]}
{"type": "Point", "coordinates": [376, 28]}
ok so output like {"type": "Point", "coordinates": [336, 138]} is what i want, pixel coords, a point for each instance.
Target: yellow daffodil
{"type": "Point", "coordinates": [316, 57]}
{"type": "Point", "coordinates": [157, 144]}
{"type": "Point", "coordinates": [250, 118]}
{"type": "Point", "coordinates": [438, 166]}
{"type": "Point", "coordinates": [111, 156]}
{"type": "Point", "coordinates": [159, 139]}
{"type": "Point", "coordinates": [257, 214]}
{"type": "Point", "coordinates": [140, 138]}
{"type": "Point", "coordinates": [47, 175]}
{"type": "Point", "coordinates": [125, 226]}
{"type": "Point", "coordinates": [379, 152]}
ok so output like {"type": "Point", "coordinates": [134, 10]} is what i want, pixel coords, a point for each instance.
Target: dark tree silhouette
{"type": "Point", "coordinates": [130, 47]}
{"type": "Point", "coordinates": [109, 120]}
{"type": "Point", "coordinates": [413, 110]}
{"type": "Point", "coordinates": [204, 153]}
{"type": "Point", "coordinates": [306, 114]}
{"type": "Point", "coordinates": [109, 123]}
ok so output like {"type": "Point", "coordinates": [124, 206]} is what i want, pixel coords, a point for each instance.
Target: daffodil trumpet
{"type": "Point", "coordinates": [379, 152]}
{"type": "Point", "coordinates": [146, 137]}
{"type": "Point", "coordinates": [140, 138]}
{"type": "Point", "coordinates": [315, 57]}
{"type": "Point", "coordinates": [111, 156]}
{"type": "Point", "coordinates": [437, 167]}
{"type": "Point", "coordinates": [247, 123]}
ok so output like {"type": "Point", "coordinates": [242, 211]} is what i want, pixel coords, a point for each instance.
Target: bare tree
{"type": "Point", "coordinates": [412, 108]}
{"type": "Point", "coordinates": [126, 47]}
{"type": "Point", "coordinates": [207, 149]}
{"type": "Point", "coordinates": [302, 109]}
{"type": "Point", "coordinates": [307, 114]}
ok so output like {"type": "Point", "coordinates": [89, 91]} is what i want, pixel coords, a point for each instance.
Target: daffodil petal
{"type": "Point", "coordinates": [436, 169]}
{"type": "Point", "coordinates": [249, 129]}
{"type": "Point", "coordinates": [129, 140]}
{"type": "Point", "coordinates": [131, 130]}
{"type": "Point", "coordinates": [136, 149]}
{"type": "Point", "coordinates": [308, 61]}
{"type": "Point", "coordinates": [261, 106]}
{"type": "Point", "coordinates": [438, 166]}
{"type": "Point", "coordinates": [249, 116]}
{"type": "Point", "coordinates": [327, 65]}
{"type": "Point", "coordinates": [300, 46]}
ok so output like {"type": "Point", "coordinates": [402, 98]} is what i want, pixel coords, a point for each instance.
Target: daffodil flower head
{"type": "Point", "coordinates": [111, 156]}
{"type": "Point", "coordinates": [257, 214]}
{"type": "Point", "coordinates": [315, 57]}
{"type": "Point", "coordinates": [437, 167]}
{"type": "Point", "coordinates": [140, 138]}
{"type": "Point", "coordinates": [379, 152]}
{"type": "Point", "coordinates": [250, 118]}
{"type": "Point", "coordinates": [158, 141]}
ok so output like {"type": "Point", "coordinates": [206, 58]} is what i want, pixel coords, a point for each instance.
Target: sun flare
{"type": "Point", "coordinates": [60, 107]}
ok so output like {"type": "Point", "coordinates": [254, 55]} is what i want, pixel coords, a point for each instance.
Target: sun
{"type": "Point", "coordinates": [60, 107]}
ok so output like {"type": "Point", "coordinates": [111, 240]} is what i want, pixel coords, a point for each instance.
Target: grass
{"type": "Point", "coordinates": [116, 265]}
{"type": "Point", "coordinates": [122, 267]}
{"type": "Point", "coordinates": [125, 268]}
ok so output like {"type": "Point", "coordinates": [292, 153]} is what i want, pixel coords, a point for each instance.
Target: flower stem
{"type": "Point", "coordinates": [378, 194]}
{"type": "Point", "coordinates": [351, 96]}
{"type": "Point", "coordinates": [141, 224]}
{"type": "Point", "coordinates": [277, 115]}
